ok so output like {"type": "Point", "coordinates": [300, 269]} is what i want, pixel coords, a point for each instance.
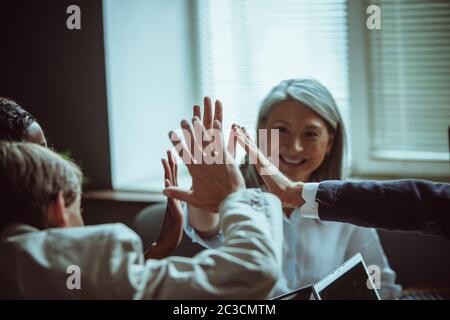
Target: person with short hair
{"type": "Point", "coordinates": [311, 149]}
{"type": "Point", "coordinates": [43, 237]}
{"type": "Point", "coordinates": [17, 124]}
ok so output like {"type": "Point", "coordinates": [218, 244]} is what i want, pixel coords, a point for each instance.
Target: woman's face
{"type": "Point", "coordinates": [304, 139]}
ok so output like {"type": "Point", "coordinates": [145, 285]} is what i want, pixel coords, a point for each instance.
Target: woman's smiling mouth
{"type": "Point", "coordinates": [292, 161]}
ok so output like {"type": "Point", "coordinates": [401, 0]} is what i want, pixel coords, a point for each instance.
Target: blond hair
{"type": "Point", "coordinates": [31, 176]}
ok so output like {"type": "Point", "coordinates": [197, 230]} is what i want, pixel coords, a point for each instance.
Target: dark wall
{"type": "Point", "coordinates": [59, 76]}
{"type": "Point", "coordinates": [419, 260]}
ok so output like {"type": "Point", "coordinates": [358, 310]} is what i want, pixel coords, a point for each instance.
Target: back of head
{"type": "Point", "coordinates": [14, 120]}
{"type": "Point", "coordinates": [31, 176]}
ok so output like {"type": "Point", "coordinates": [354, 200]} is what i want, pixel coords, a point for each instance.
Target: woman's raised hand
{"type": "Point", "coordinates": [276, 182]}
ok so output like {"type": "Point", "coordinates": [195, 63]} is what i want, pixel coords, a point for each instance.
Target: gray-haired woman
{"type": "Point", "coordinates": [311, 149]}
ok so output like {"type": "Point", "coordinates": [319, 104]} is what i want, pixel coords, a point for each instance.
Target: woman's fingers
{"type": "Point", "coordinates": [184, 153]}
{"type": "Point", "coordinates": [246, 136]}
{"type": "Point", "coordinates": [207, 113]}
{"type": "Point", "coordinates": [218, 135]}
{"type": "Point", "coordinates": [256, 156]}
{"type": "Point", "coordinates": [246, 133]}
{"type": "Point", "coordinates": [245, 143]}
{"type": "Point", "coordinates": [192, 139]}
{"type": "Point", "coordinates": [174, 167]}
{"type": "Point", "coordinates": [197, 112]}
{"type": "Point", "coordinates": [188, 135]}
{"type": "Point", "coordinates": [232, 141]}
{"type": "Point", "coordinates": [218, 111]}
{"type": "Point", "coordinates": [202, 137]}
{"type": "Point", "coordinates": [179, 194]}
{"type": "Point", "coordinates": [173, 204]}
{"type": "Point", "coordinates": [167, 170]}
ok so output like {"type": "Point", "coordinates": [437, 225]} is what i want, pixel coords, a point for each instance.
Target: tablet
{"type": "Point", "coordinates": [304, 293]}
{"type": "Point", "coordinates": [351, 281]}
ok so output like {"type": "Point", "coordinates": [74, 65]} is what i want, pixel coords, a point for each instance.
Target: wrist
{"type": "Point", "coordinates": [293, 195]}
{"type": "Point", "coordinates": [205, 223]}
{"type": "Point", "coordinates": [152, 252]}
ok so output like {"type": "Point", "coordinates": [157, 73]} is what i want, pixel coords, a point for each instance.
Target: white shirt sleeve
{"type": "Point", "coordinates": [210, 243]}
{"type": "Point", "coordinates": [310, 209]}
{"type": "Point", "coordinates": [246, 266]}
{"type": "Point", "coordinates": [110, 260]}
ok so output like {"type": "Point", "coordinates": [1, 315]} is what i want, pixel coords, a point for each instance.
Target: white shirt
{"type": "Point", "coordinates": [34, 263]}
{"type": "Point", "coordinates": [313, 248]}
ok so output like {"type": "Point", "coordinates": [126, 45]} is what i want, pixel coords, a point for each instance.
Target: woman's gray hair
{"type": "Point", "coordinates": [313, 95]}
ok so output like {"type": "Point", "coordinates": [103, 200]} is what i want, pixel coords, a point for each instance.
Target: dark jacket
{"type": "Point", "coordinates": [410, 205]}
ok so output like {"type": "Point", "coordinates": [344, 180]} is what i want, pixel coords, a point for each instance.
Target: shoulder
{"type": "Point", "coordinates": [95, 235]}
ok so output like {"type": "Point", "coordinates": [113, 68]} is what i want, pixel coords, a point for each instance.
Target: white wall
{"type": "Point", "coordinates": [150, 84]}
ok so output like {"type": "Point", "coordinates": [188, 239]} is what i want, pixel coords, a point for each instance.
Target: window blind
{"type": "Point", "coordinates": [409, 75]}
{"type": "Point", "coordinates": [246, 47]}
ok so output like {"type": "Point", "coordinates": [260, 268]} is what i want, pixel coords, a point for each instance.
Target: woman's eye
{"type": "Point", "coordinates": [282, 129]}
{"type": "Point", "coordinates": [311, 134]}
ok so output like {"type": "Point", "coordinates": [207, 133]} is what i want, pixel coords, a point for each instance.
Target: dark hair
{"type": "Point", "coordinates": [14, 120]}
{"type": "Point", "coordinates": [31, 176]}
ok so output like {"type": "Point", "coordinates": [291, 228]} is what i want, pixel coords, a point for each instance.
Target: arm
{"type": "Point", "coordinates": [247, 266]}
{"type": "Point", "coordinates": [412, 205]}
{"type": "Point", "coordinates": [248, 263]}
{"type": "Point", "coordinates": [205, 223]}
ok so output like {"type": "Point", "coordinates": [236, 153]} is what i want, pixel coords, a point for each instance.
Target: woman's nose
{"type": "Point", "coordinates": [297, 145]}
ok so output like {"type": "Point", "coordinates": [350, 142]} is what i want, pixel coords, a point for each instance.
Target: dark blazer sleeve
{"type": "Point", "coordinates": [410, 205]}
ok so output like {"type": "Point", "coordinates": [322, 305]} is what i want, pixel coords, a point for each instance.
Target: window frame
{"type": "Point", "coordinates": [364, 162]}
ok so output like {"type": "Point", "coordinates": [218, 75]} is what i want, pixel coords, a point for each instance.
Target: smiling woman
{"type": "Point", "coordinates": [311, 130]}
{"type": "Point", "coordinates": [311, 140]}
{"type": "Point", "coordinates": [305, 139]}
